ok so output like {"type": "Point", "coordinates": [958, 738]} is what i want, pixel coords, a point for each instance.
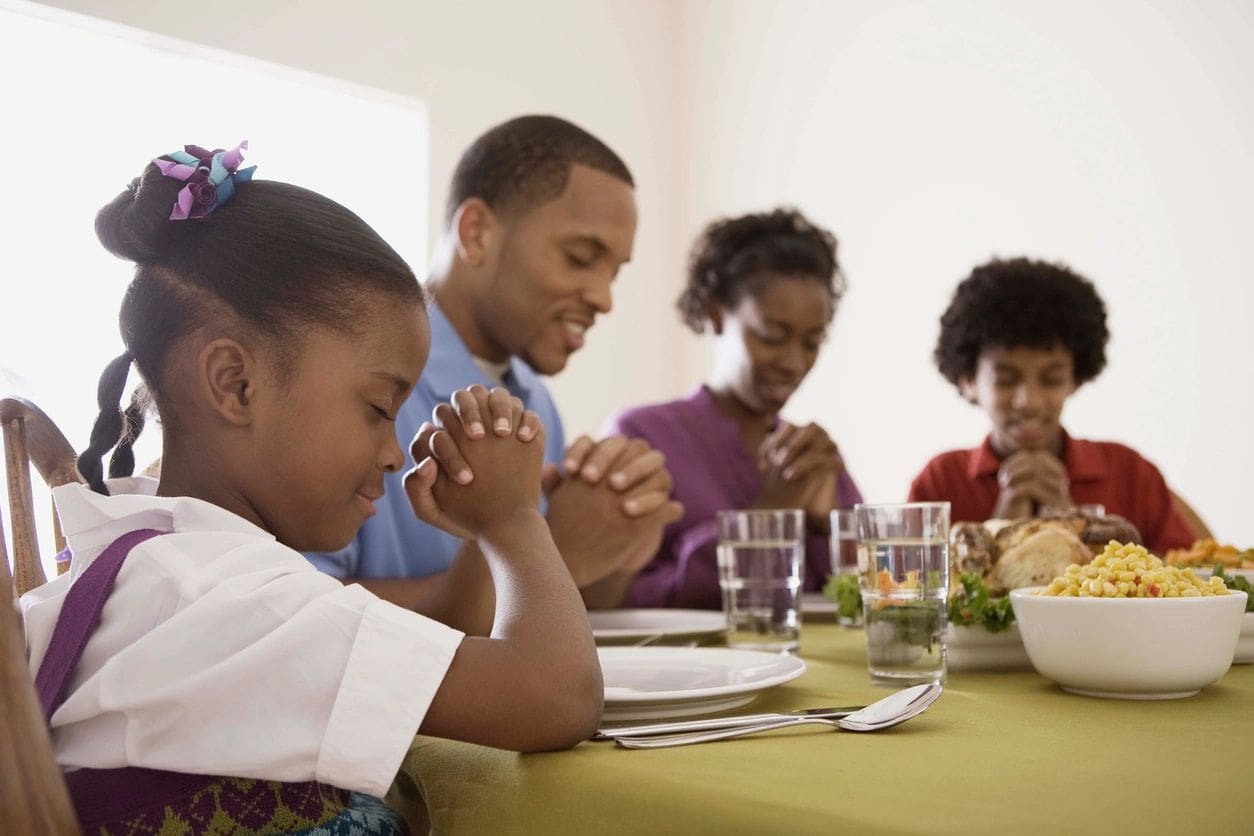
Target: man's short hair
{"type": "Point", "coordinates": [525, 162]}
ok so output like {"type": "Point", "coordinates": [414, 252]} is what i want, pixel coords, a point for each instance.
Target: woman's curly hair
{"type": "Point", "coordinates": [1022, 302]}
{"type": "Point", "coordinates": [730, 255]}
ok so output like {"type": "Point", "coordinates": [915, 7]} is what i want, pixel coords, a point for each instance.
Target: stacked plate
{"type": "Point", "coordinates": [650, 683]}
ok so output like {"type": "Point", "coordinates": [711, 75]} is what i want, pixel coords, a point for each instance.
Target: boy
{"type": "Point", "coordinates": [1019, 337]}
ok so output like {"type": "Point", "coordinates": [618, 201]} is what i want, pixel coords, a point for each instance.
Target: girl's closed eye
{"type": "Point", "coordinates": [384, 411]}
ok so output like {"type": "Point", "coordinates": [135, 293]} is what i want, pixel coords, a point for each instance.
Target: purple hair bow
{"type": "Point", "coordinates": [211, 177]}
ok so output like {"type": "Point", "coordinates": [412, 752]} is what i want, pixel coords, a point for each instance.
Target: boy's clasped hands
{"type": "Point", "coordinates": [1030, 480]}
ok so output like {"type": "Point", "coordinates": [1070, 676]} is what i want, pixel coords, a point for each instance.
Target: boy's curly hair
{"type": "Point", "coordinates": [729, 255]}
{"type": "Point", "coordinates": [1015, 302]}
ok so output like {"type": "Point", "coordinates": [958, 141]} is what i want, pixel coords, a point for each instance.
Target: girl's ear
{"type": "Point", "coordinates": [474, 227]}
{"type": "Point", "coordinates": [228, 374]}
{"type": "Point", "coordinates": [714, 315]}
{"type": "Point", "coordinates": [966, 388]}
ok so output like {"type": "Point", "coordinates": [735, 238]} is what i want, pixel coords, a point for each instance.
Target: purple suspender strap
{"type": "Point", "coordinates": [80, 613]}
{"type": "Point", "coordinates": [100, 795]}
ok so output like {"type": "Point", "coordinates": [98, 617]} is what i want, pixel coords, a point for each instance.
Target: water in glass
{"type": "Point", "coordinates": [903, 601]}
{"type": "Point", "coordinates": [761, 580]}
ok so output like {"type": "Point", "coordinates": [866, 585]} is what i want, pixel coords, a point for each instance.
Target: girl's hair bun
{"type": "Point", "coordinates": [135, 223]}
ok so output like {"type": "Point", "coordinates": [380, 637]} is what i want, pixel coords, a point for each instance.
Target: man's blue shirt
{"type": "Point", "coordinates": [394, 543]}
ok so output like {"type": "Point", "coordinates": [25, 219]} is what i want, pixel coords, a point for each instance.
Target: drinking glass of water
{"type": "Point", "coordinates": [759, 569]}
{"type": "Point", "coordinates": [844, 541]}
{"type": "Point", "coordinates": [904, 574]}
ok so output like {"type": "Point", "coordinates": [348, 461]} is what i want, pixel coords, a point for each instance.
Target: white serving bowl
{"type": "Point", "coordinates": [1130, 648]}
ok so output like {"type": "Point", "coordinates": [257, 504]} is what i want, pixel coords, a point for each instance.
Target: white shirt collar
{"type": "Point", "coordinates": [91, 521]}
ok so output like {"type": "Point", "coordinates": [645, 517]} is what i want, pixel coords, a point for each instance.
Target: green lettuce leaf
{"type": "Point", "coordinates": [1239, 584]}
{"type": "Point", "coordinates": [974, 605]}
{"type": "Point", "coordinates": [845, 592]}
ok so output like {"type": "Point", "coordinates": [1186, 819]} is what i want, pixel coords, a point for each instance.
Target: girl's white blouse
{"type": "Point", "coordinates": [223, 652]}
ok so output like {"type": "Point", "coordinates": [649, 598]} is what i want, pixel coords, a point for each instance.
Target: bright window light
{"type": "Point", "coordinates": [86, 105]}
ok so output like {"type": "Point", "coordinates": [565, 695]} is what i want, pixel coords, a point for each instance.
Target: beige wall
{"type": "Point", "coordinates": [609, 66]}
{"type": "Point", "coordinates": [929, 136]}
{"type": "Point", "coordinates": [1115, 136]}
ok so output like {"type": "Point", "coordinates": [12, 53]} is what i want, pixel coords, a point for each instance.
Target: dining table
{"type": "Point", "coordinates": [1006, 752]}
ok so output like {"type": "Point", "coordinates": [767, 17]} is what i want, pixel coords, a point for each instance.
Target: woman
{"type": "Point", "coordinates": [766, 286]}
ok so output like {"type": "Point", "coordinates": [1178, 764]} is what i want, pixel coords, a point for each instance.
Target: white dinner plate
{"type": "Point", "coordinates": [644, 624]}
{"type": "Point", "coordinates": [649, 683]}
{"type": "Point", "coordinates": [817, 603]}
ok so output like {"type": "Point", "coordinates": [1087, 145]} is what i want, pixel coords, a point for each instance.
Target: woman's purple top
{"type": "Point", "coordinates": [712, 472]}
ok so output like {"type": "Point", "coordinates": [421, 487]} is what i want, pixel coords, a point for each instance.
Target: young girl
{"type": "Point", "coordinates": [227, 683]}
{"type": "Point", "coordinates": [1018, 339]}
{"type": "Point", "coordinates": [767, 286]}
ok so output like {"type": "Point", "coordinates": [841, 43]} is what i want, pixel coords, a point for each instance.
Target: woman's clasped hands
{"type": "Point", "coordinates": [800, 466]}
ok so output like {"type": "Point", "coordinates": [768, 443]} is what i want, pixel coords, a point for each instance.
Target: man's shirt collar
{"type": "Point", "coordinates": [451, 366]}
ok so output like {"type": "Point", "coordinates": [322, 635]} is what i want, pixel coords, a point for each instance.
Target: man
{"type": "Point", "coordinates": [540, 217]}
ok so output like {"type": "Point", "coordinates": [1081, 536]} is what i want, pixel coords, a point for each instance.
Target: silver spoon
{"type": "Point", "coordinates": [893, 710]}
{"type": "Point", "coordinates": [722, 722]}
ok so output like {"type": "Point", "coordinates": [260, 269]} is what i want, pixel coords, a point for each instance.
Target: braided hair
{"type": "Point", "coordinates": [730, 255]}
{"type": "Point", "coordinates": [277, 257]}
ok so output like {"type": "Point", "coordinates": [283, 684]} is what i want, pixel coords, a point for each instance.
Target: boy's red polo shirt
{"type": "Point", "coordinates": [1099, 471]}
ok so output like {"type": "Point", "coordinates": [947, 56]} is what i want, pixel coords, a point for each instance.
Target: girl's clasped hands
{"type": "Point", "coordinates": [478, 463]}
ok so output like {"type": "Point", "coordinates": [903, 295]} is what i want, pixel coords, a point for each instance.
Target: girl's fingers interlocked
{"type": "Point", "coordinates": [501, 407]}
{"type": "Point", "coordinates": [445, 451]}
{"type": "Point", "coordinates": [419, 482]}
{"type": "Point", "coordinates": [442, 445]}
{"type": "Point", "coordinates": [420, 447]}
{"type": "Point", "coordinates": [529, 424]}
{"type": "Point", "coordinates": [468, 404]}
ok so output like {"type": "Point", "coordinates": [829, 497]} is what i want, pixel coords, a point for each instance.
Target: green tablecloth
{"type": "Point", "coordinates": [1009, 753]}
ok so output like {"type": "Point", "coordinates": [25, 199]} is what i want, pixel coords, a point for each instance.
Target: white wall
{"type": "Point", "coordinates": [1115, 136]}
{"type": "Point", "coordinates": [609, 66]}
{"type": "Point", "coordinates": [929, 136]}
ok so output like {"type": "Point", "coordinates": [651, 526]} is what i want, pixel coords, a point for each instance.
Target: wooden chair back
{"type": "Point", "coordinates": [1191, 517]}
{"type": "Point", "coordinates": [30, 437]}
{"type": "Point", "coordinates": [33, 796]}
